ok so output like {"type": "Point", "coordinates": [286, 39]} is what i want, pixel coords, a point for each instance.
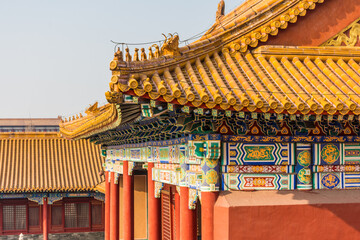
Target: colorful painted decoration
{"type": "Point", "coordinates": [165, 176]}
{"type": "Point", "coordinates": [337, 168]}
{"type": "Point", "coordinates": [245, 165]}
{"type": "Point", "coordinates": [330, 180]}
{"type": "Point", "coordinates": [193, 196]}
{"type": "Point", "coordinates": [304, 158]}
{"type": "Point", "coordinates": [304, 176]}
{"type": "Point", "coordinates": [328, 154]}
{"type": "Point", "coordinates": [258, 169]}
{"type": "Point", "coordinates": [303, 167]}
{"type": "Point", "coordinates": [158, 187]}
{"type": "Point", "coordinates": [258, 182]}
{"type": "Point", "coordinates": [337, 180]}
{"type": "Point", "coordinates": [258, 153]}
{"type": "Point", "coordinates": [352, 153]}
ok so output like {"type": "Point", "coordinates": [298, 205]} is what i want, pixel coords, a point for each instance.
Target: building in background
{"type": "Point", "coordinates": [267, 99]}
{"type": "Point", "coordinates": [29, 124]}
{"type": "Point", "coordinates": [49, 186]}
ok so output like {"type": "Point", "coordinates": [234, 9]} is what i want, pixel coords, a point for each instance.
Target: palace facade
{"type": "Point", "coordinates": [250, 132]}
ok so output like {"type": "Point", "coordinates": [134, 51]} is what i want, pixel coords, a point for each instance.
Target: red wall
{"type": "Point", "coordinates": [318, 25]}
{"type": "Point", "coordinates": [309, 221]}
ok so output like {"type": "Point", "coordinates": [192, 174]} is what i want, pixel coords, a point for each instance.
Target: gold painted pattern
{"type": "Point", "coordinates": [349, 39]}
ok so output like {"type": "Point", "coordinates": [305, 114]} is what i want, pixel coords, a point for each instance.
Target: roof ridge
{"type": "Point", "coordinates": [239, 32]}
{"type": "Point", "coordinates": [28, 135]}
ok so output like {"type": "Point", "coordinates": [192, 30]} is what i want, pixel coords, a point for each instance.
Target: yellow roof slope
{"type": "Point", "coordinates": [222, 70]}
{"type": "Point", "coordinates": [280, 79]}
{"type": "Point", "coordinates": [33, 162]}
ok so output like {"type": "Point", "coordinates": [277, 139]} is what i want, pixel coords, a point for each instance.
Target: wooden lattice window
{"type": "Point", "coordinates": [14, 217]}
{"type": "Point", "coordinates": [56, 215]}
{"type": "Point", "coordinates": [77, 215]}
{"type": "Point", "coordinates": [34, 216]}
{"type": "Point", "coordinates": [96, 214]}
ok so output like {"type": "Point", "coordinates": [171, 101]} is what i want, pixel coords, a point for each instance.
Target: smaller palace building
{"type": "Point", "coordinates": [49, 187]}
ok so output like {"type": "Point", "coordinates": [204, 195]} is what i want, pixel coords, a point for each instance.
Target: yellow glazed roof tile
{"type": "Point", "coordinates": [305, 80]}
{"type": "Point", "coordinates": [45, 162]}
{"type": "Point", "coordinates": [221, 70]}
{"type": "Point", "coordinates": [101, 187]}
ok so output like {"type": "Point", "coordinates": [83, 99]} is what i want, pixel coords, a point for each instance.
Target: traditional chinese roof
{"type": "Point", "coordinates": [223, 70]}
{"type": "Point", "coordinates": [99, 120]}
{"type": "Point", "coordinates": [38, 162]}
{"type": "Point", "coordinates": [305, 80]}
{"type": "Point", "coordinates": [233, 67]}
{"type": "Point", "coordinates": [255, 16]}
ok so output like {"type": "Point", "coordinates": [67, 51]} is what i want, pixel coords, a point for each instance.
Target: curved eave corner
{"type": "Point", "coordinates": [104, 118]}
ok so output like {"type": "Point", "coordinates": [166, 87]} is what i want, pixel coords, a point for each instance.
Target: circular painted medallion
{"type": "Point", "coordinates": [304, 158]}
{"type": "Point", "coordinates": [330, 153]}
{"type": "Point", "coordinates": [330, 181]}
{"type": "Point", "coordinates": [211, 177]}
{"type": "Point", "coordinates": [303, 178]}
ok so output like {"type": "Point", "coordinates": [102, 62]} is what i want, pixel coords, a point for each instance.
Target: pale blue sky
{"type": "Point", "coordinates": [54, 55]}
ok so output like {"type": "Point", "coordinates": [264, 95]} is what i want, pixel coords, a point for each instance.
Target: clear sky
{"type": "Point", "coordinates": [55, 55]}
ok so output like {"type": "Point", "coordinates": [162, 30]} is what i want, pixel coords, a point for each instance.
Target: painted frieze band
{"type": "Point", "coordinates": [258, 169]}
{"type": "Point", "coordinates": [291, 139]}
{"type": "Point", "coordinates": [258, 181]}
{"type": "Point", "coordinates": [258, 154]}
{"type": "Point", "coordinates": [337, 180]}
{"type": "Point", "coordinates": [336, 168]}
{"type": "Point", "coordinates": [303, 166]}
{"type": "Point", "coordinates": [248, 162]}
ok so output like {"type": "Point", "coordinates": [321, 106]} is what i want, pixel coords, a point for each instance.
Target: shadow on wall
{"type": "Point", "coordinates": [342, 204]}
{"type": "Point", "coordinates": [317, 214]}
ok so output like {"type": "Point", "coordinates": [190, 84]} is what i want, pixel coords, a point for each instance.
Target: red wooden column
{"type": "Point", "coordinates": [187, 217]}
{"type": "Point", "coordinates": [208, 200]}
{"type": "Point", "coordinates": [114, 208]}
{"type": "Point", "coordinates": [154, 214]}
{"type": "Point", "coordinates": [177, 215]}
{"type": "Point", "coordinates": [128, 207]}
{"type": "Point", "coordinates": [45, 218]}
{"type": "Point", "coordinates": [107, 206]}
